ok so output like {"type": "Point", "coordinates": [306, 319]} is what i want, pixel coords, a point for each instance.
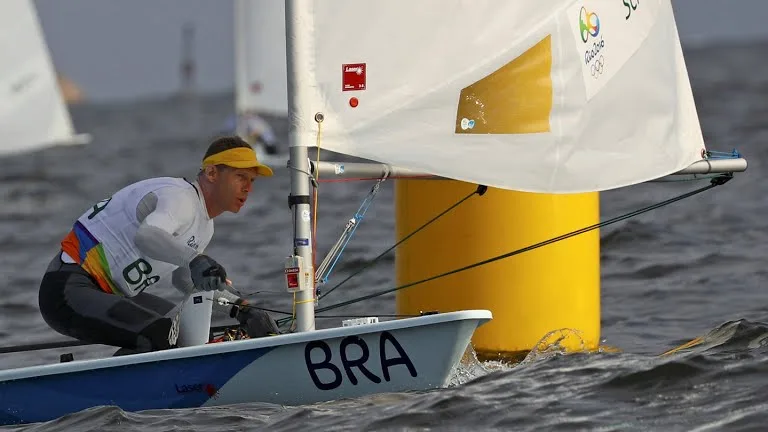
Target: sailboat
{"type": "Point", "coordinates": [33, 113]}
{"type": "Point", "coordinates": [260, 75]}
{"type": "Point", "coordinates": [559, 97]}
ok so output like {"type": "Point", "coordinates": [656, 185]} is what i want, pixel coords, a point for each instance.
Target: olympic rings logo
{"type": "Point", "coordinates": [597, 67]}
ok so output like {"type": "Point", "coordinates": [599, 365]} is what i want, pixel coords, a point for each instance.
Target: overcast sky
{"type": "Point", "coordinates": [128, 48]}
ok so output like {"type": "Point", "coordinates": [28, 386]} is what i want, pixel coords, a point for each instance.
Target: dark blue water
{"type": "Point", "coordinates": [695, 268]}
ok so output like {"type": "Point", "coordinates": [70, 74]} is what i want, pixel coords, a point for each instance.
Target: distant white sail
{"type": "Point", "coordinates": [260, 70]}
{"type": "Point", "coordinates": [33, 113]}
{"type": "Point", "coordinates": [550, 96]}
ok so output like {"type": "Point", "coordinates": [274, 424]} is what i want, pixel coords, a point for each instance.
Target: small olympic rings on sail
{"type": "Point", "coordinates": [597, 67]}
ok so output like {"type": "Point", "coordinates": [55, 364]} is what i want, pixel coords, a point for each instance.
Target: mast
{"type": "Point", "coordinates": [187, 66]}
{"type": "Point", "coordinates": [297, 43]}
{"type": "Point", "coordinates": [241, 62]}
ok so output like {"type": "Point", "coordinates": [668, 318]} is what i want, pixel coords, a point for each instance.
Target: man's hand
{"type": "Point", "coordinates": [257, 323]}
{"type": "Point", "coordinates": [207, 274]}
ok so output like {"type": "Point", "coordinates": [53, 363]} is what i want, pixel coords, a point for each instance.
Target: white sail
{"type": "Point", "coordinates": [260, 71]}
{"type": "Point", "coordinates": [550, 96]}
{"type": "Point", "coordinates": [32, 110]}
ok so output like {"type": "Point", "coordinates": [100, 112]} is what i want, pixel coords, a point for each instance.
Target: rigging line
{"type": "Point", "coordinates": [282, 321]}
{"type": "Point", "coordinates": [309, 174]}
{"type": "Point", "coordinates": [316, 196]}
{"type": "Point", "coordinates": [326, 267]}
{"type": "Point", "coordinates": [348, 179]}
{"type": "Point", "coordinates": [370, 315]}
{"type": "Point", "coordinates": [687, 178]}
{"type": "Point", "coordinates": [224, 302]}
{"type": "Point", "coordinates": [255, 293]}
{"type": "Point", "coordinates": [715, 182]}
{"type": "Point", "coordinates": [479, 191]}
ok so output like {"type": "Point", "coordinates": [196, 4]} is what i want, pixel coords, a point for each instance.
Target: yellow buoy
{"type": "Point", "coordinates": [531, 295]}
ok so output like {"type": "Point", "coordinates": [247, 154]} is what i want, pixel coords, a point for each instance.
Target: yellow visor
{"type": "Point", "coordinates": [240, 157]}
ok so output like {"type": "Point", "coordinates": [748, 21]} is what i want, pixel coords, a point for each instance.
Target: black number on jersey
{"type": "Point", "coordinates": [137, 274]}
{"type": "Point", "coordinates": [99, 207]}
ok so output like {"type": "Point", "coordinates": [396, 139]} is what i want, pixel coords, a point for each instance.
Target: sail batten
{"type": "Point", "coordinates": [558, 96]}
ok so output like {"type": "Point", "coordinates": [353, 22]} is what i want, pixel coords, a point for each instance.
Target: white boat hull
{"type": "Point", "coordinates": [293, 369]}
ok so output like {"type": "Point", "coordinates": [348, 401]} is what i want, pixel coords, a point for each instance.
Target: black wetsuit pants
{"type": "Point", "coordinates": [73, 304]}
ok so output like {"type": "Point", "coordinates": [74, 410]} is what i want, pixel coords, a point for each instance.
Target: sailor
{"type": "Point", "coordinates": [150, 233]}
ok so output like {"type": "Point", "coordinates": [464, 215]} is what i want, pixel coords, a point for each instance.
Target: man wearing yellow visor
{"type": "Point", "coordinates": [147, 234]}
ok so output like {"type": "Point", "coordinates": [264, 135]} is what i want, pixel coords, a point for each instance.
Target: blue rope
{"type": "Point", "coordinates": [357, 218]}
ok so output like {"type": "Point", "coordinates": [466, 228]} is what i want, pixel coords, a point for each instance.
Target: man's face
{"type": "Point", "coordinates": [232, 186]}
